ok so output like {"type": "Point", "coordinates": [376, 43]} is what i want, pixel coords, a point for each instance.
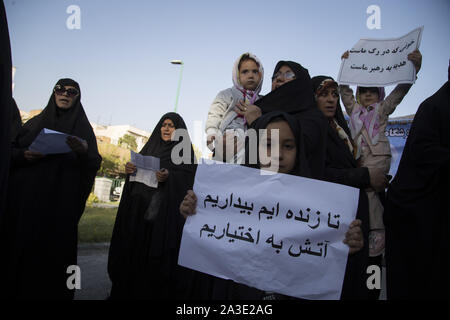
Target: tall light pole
{"type": "Point", "coordinates": [179, 81]}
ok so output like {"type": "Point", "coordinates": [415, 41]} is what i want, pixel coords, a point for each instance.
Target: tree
{"type": "Point", "coordinates": [197, 152]}
{"type": "Point", "coordinates": [114, 160]}
{"type": "Point", "coordinates": [128, 141]}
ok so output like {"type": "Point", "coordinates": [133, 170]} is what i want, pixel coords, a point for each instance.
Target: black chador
{"type": "Point", "coordinates": [143, 256]}
{"type": "Point", "coordinates": [46, 199]}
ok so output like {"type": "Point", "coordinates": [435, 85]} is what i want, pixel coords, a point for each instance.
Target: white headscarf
{"type": "Point", "coordinates": [249, 95]}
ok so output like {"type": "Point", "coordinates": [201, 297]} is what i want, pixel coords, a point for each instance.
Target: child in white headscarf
{"type": "Point", "coordinates": [369, 115]}
{"type": "Point", "coordinates": [222, 120]}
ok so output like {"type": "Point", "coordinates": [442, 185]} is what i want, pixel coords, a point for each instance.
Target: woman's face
{"type": "Point", "coordinates": [167, 129]}
{"type": "Point", "coordinates": [327, 101]}
{"type": "Point", "coordinates": [65, 96]}
{"type": "Point", "coordinates": [283, 75]}
{"type": "Point", "coordinates": [282, 153]}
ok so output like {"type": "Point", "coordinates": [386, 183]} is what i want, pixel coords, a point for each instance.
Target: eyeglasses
{"type": "Point", "coordinates": [71, 92]}
{"type": "Point", "coordinates": [287, 76]}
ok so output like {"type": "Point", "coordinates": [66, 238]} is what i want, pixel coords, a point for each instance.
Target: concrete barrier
{"type": "Point", "coordinates": [102, 188]}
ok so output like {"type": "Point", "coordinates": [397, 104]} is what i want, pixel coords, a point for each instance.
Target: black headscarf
{"type": "Point", "coordinates": [292, 97]}
{"type": "Point", "coordinates": [71, 121]}
{"type": "Point", "coordinates": [159, 148]}
{"type": "Point", "coordinates": [181, 179]}
{"type": "Point", "coordinates": [338, 155]}
{"type": "Point", "coordinates": [339, 115]}
{"type": "Point", "coordinates": [417, 211]}
{"type": "Point", "coordinates": [143, 253]}
{"type": "Point", "coordinates": [227, 289]}
{"type": "Point", "coordinates": [341, 168]}
{"type": "Point", "coordinates": [46, 200]}
{"type": "Point", "coordinates": [301, 167]}
{"type": "Point", "coordinates": [296, 98]}
{"type": "Point", "coordinates": [16, 120]}
{"type": "Point", "coordinates": [5, 107]}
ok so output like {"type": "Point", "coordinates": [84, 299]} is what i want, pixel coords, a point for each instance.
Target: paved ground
{"type": "Point", "coordinates": [95, 283]}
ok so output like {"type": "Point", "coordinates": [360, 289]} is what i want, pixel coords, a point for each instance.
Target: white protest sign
{"type": "Point", "coordinates": [277, 233]}
{"type": "Point", "coordinates": [378, 63]}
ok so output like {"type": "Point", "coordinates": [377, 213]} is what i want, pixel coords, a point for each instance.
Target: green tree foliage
{"type": "Point", "coordinates": [114, 160]}
{"type": "Point", "coordinates": [128, 141]}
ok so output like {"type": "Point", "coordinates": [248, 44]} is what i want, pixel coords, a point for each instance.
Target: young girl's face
{"type": "Point", "coordinates": [368, 96]}
{"type": "Point", "coordinates": [249, 75]}
{"type": "Point", "coordinates": [167, 130]}
{"type": "Point", "coordinates": [287, 148]}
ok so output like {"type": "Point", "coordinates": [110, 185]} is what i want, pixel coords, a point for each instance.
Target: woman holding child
{"type": "Point", "coordinates": [292, 93]}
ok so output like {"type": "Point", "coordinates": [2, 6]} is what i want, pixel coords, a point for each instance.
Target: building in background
{"type": "Point", "coordinates": [108, 134]}
{"type": "Point", "coordinates": [113, 134]}
{"type": "Point", "coordinates": [28, 115]}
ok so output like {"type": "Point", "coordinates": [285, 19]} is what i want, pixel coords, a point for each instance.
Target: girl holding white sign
{"type": "Point", "coordinates": [289, 157]}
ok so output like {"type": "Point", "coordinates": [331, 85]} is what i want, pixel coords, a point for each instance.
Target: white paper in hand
{"type": "Point", "coordinates": [51, 142]}
{"type": "Point", "coordinates": [146, 169]}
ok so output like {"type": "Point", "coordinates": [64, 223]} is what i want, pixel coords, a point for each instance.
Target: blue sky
{"type": "Point", "coordinates": [121, 54]}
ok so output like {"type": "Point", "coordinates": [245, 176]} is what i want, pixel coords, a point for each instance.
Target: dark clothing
{"type": "Point", "coordinates": [296, 98]}
{"type": "Point", "coordinates": [16, 121]}
{"type": "Point", "coordinates": [301, 167]}
{"type": "Point", "coordinates": [342, 168]}
{"type": "Point", "coordinates": [147, 233]}
{"type": "Point", "coordinates": [417, 214]}
{"type": "Point", "coordinates": [45, 202]}
{"type": "Point", "coordinates": [207, 287]}
{"type": "Point", "coordinates": [5, 109]}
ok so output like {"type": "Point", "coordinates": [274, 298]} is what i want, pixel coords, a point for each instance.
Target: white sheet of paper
{"type": "Point", "coordinates": [243, 230]}
{"type": "Point", "coordinates": [145, 162]}
{"type": "Point", "coordinates": [50, 142]}
{"type": "Point", "coordinates": [378, 63]}
{"type": "Point", "coordinates": [145, 176]}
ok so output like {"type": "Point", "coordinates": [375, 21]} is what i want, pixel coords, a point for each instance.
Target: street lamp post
{"type": "Point", "coordinates": [179, 81]}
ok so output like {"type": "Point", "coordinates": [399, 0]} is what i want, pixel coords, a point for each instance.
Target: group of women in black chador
{"type": "Point", "coordinates": [46, 196]}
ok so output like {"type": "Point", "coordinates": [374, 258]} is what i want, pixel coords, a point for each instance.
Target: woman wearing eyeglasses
{"type": "Point", "coordinates": [292, 93]}
{"type": "Point", "coordinates": [47, 195]}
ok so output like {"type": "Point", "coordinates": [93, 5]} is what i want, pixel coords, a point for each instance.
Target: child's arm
{"type": "Point", "coordinates": [400, 91]}
{"type": "Point", "coordinates": [348, 99]}
{"type": "Point", "coordinates": [216, 112]}
{"type": "Point", "coordinates": [395, 97]}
